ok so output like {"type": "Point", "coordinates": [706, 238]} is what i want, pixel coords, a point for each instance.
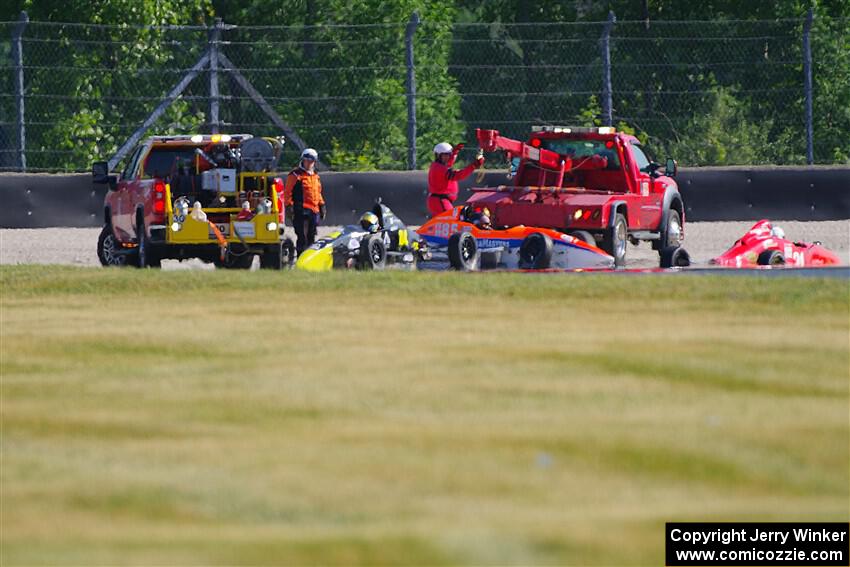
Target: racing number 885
{"type": "Point", "coordinates": [444, 229]}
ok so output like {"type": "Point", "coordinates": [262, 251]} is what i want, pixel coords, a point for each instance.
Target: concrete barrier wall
{"type": "Point", "coordinates": [710, 194]}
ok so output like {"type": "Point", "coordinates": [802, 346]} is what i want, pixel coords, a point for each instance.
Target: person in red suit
{"type": "Point", "coordinates": [442, 179]}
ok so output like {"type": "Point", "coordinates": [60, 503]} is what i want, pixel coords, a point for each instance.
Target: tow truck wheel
{"type": "Point", "coordinates": [675, 257]}
{"type": "Point", "coordinates": [535, 252]}
{"type": "Point", "coordinates": [672, 235]}
{"type": "Point", "coordinates": [771, 258]}
{"type": "Point", "coordinates": [584, 236]}
{"type": "Point", "coordinates": [463, 252]}
{"type": "Point", "coordinates": [616, 239]}
{"type": "Point", "coordinates": [109, 252]}
{"type": "Point", "coordinates": [373, 253]}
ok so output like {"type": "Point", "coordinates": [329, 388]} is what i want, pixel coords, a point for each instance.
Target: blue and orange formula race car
{"type": "Point", "coordinates": [471, 244]}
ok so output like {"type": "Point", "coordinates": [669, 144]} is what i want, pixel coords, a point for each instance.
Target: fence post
{"type": "Point", "coordinates": [214, 40]}
{"type": "Point", "coordinates": [18, 63]}
{"type": "Point", "coordinates": [607, 114]}
{"type": "Point", "coordinates": [807, 82]}
{"type": "Point", "coordinates": [411, 91]}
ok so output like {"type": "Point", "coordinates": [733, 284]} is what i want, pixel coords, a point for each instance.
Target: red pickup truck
{"type": "Point", "coordinates": [597, 184]}
{"type": "Point", "coordinates": [214, 197]}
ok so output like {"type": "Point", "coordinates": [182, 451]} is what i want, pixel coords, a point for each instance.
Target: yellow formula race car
{"type": "Point", "coordinates": [380, 240]}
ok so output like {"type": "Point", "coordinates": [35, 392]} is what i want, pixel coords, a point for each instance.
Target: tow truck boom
{"type": "Point", "coordinates": [491, 141]}
{"type": "Point", "coordinates": [545, 160]}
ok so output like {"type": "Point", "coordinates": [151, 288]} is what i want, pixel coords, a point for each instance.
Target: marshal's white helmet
{"type": "Point", "coordinates": [443, 148]}
{"type": "Point", "coordinates": [310, 153]}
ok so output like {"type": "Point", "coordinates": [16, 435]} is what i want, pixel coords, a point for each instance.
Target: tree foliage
{"type": "Point", "coordinates": [335, 70]}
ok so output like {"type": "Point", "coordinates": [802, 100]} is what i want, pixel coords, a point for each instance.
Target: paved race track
{"type": "Point", "coordinates": [77, 246]}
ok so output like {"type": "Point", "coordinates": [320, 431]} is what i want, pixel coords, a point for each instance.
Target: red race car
{"type": "Point", "coordinates": [471, 243]}
{"type": "Point", "coordinates": [766, 245]}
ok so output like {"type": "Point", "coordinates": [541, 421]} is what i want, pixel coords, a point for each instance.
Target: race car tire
{"type": "Point", "coordinates": [584, 236]}
{"type": "Point", "coordinates": [109, 252]}
{"type": "Point", "coordinates": [491, 260]}
{"type": "Point", "coordinates": [674, 257]}
{"type": "Point", "coordinates": [616, 240]}
{"type": "Point", "coordinates": [463, 252]}
{"type": "Point", "coordinates": [373, 253]}
{"type": "Point", "coordinates": [535, 252]}
{"type": "Point", "coordinates": [272, 257]}
{"type": "Point", "coordinates": [771, 258]}
{"type": "Point", "coordinates": [672, 234]}
{"type": "Point", "coordinates": [287, 252]}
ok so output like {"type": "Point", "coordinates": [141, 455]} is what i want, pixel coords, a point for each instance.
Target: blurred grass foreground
{"type": "Point", "coordinates": [221, 417]}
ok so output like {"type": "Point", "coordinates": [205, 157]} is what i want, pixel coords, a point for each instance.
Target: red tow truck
{"type": "Point", "coordinates": [597, 184]}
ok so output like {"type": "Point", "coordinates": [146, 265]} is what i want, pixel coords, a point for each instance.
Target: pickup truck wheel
{"type": "Point", "coordinates": [109, 252]}
{"type": "Point", "coordinates": [674, 257]}
{"type": "Point", "coordinates": [145, 256]}
{"type": "Point", "coordinates": [584, 236]}
{"type": "Point", "coordinates": [152, 257]}
{"type": "Point", "coordinates": [463, 252]}
{"type": "Point", "coordinates": [771, 258]}
{"type": "Point", "coordinates": [616, 239]}
{"type": "Point", "coordinates": [141, 255]}
{"type": "Point", "coordinates": [373, 253]}
{"type": "Point", "coordinates": [672, 235]}
{"type": "Point", "coordinates": [535, 252]}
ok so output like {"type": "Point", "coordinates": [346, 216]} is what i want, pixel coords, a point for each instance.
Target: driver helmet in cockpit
{"type": "Point", "coordinates": [369, 222]}
{"type": "Point", "coordinates": [483, 222]}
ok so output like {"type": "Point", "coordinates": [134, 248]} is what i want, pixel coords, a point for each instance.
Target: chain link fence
{"type": "Point", "coordinates": [709, 92]}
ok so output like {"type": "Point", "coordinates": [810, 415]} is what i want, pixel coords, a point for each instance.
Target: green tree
{"type": "Point", "coordinates": [344, 84]}
{"type": "Point", "coordinates": [81, 81]}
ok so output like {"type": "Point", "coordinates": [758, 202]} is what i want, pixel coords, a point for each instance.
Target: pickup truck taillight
{"type": "Point", "coordinates": [159, 197]}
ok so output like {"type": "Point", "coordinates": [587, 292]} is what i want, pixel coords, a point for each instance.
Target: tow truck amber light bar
{"type": "Point", "coordinates": [574, 129]}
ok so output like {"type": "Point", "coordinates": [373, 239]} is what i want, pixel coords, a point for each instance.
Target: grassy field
{"type": "Point", "coordinates": [400, 418]}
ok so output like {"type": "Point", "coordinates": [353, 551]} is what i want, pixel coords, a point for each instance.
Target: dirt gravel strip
{"type": "Point", "coordinates": [703, 240]}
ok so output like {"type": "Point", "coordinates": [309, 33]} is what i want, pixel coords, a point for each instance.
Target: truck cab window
{"type": "Point", "coordinates": [641, 158]}
{"type": "Point", "coordinates": [161, 161]}
{"type": "Point", "coordinates": [130, 168]}
{"type": "Point", "coordinates": [579, 149]}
